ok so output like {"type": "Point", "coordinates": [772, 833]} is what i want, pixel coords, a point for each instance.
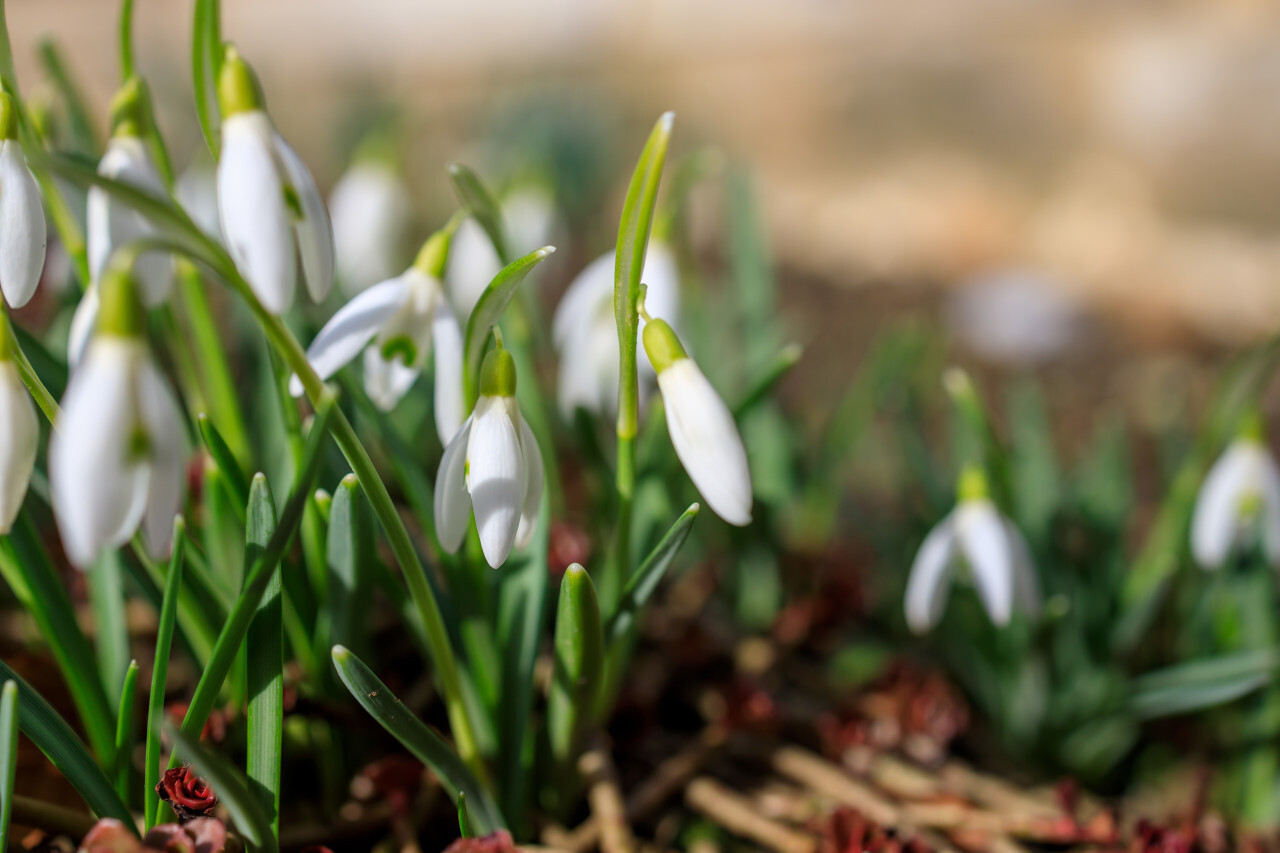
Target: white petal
{"type": "Point", "coordinates": [386, 382]}
{"type": "Point", "coordinates": [19, 436]}
{"type": "Point", "coordinates": [98, 492]}
{"type": "Point", "coordinates": [256, 222]}
{"type": "Point", "coordinates": [351, 328]}
{"type": "Point", "coordinates": [22, 228]}
{"type": "Point", "coordinates": [707, 441]}
{"type": "Point", "coordinates": [1269, 512]}
{"type": "Point", "coordinates": [197, 192]}
{"type": "Point", "coordinates": [314, 231]}
{"type": "Point", "coordinates": [370, 209]}
{"type": "Point", "coordinates": [533, 485]}
{"type": "Point", "coordinates": [472, 264]}
{"type": "Point", "coordinates": [981, 538]}
{"type": "Point", "coordinates": [450, 404]}
{"type": "Point", "coordinates": [589, 365]}
{"type": "Point", "coordinates": [495, 477]}
{"type": "Point", "coordinates": [582, 298]}
{"type": "Point", "coordinates": [1026, 586]}
{"type": "Point", "coordinates": [452, 501]}
{"type": "Point", "coordinates": [168, 447]}
{"type": "Point", "coordinates": [530, 216]}
{"type": "Point", "coordinates": [82, 323]}
{"type": "Point", "coordinates": [930, 578]}
{"type": "Point", "coordinates": [1215, 520]}
{"type": "Point", "coordinates": [112, 223]}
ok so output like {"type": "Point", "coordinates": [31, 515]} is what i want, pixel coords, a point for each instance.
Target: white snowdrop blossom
{"type": "Point", "coordinates": [19, 433]}
{"type": "Point", "coordinates": [492, 467]}
{"type": "Point", "coordinates": [701, 427]}
{"type": "Point", "coordinates": [976, 536]}
{"type": "Point", "coordinates": [1240, 500]}
{"type": "Point", "coordinates": [586, 334]}
{"type": "Point", "coordinates": [117, 460]}
{"type": "Point", "coordinates": [397, 323]}
{"type": "Point", "coordinates": [269, 206]}
{"type": "Point", "coordinates": [370, 206]}
{"type": "Point", "coordinates": [22, 226]}
{"type": "Point", "coordinates": [529, 218]}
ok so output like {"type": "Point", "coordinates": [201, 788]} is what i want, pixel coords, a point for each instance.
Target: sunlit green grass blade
{"type": "Point", "coordinates": [579, 664]}
{"type": "Point", "coordinates": [232, 637]}
{"type": "Point", "coordinates": [51, 734]}
{"type": "Point", "coordinates": [350, 551]}
{"type": "Point", "coordinates": [200, 323]}
{"type": "Point", "coordinates": [489, 310]}
{"type": "Point", "coordinates": [193, 619]}
{"type": "Point", "coordinates": [233, 478]}
{"type": "Point", "coordinates": [1201, 684]}
{"type": "Point", "coordinates": [464, 821]}
{"type": "Point", "coordinates": [9, 756]}
{"type": "Point", "coordinates": [245, 809]}
{"type": "Point", "coordinates": [124, 731]}
{"type": "Point", "coordinates": [482, 204]}
{"type": "Point", "coordinates": [27, 570]}
{"type": "Point", "coordinates": [1165, 544]}
{"type": "Point", "coordinates": [645, 581]}
{"type": "Point", "coordinates": [428, 746]}
{"type": "Point", "coordinates": [106, 595]}
{"type": "Point", "coordinates": [160, 671]}
{"type": "Point", "coordinates": [522, 599]}
{"type": "Point", "coordinates": [265, 645]}
{"type": "Point", "coordinates": [206, 47]}
{"type": "Point", "coordinates": [51, 369]}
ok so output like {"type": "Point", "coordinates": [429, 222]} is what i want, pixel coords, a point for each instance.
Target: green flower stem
{"type": "Point", "coordinates": [126, 39]}
{"type": "Point", "coordinates": [30, 378]}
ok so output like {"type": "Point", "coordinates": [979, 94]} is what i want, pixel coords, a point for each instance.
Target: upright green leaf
{"type": "Point", "coordinates": [8, 756]}
{"type": "Point", "coordinates": [124, 731]}
{"type": "Point", "coordinates": [265, 647]}
{"type": "Point", "coordinates": [482, 205]}
{"type": "Point", "coordinates": [350, 550]}
{"type": "Point", "coordinates": [489, 310]}
{"type": "Point", "coordinates": [160, 671]}
{"type": "Point", "coordinates": [245, 809]}
{"type": "Point", "coordinates": [428, 746]}
{"type": "Point", "coordinates": [52, 736]}
{"type": "Point", "coordinates": [464, 822]}
{"type": "Point", "coordinates": [233, 478]}
{"type": "Point", "coordinates": [106, 595]}
{"type": "Point", "coordinates": [206, 54]}
{"type": "Point", "coordinates": [645, 581]}
{"type": "Point", "coordinates": [579, 664]}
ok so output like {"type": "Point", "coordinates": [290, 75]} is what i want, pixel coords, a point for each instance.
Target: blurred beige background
{"type": "Point", "coordinates": [1126, 153]}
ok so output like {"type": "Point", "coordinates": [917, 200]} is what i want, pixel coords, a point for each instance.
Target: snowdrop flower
{"type": "Point", "coordinates": [492, 467]}
{"type": "Point", "coordinates": [397, 323]}
{"type": "Point", "coordinates": [702, 429]}
{"type": "Point", "coordinates": [1239, 499]}
{"type": "Point", "coordinates": [268, 203]}
{"type": "Point", "coordinates": [528, 219]}
{"type": "Point", "coordinates": [586, 334]}
{"type": "Point", "coordinates": [19, 432]}
{"type": "Point", "coordinates": [117, 459]}
{"type": "Point", "coordinates": [113, 223]}
{"type": "Point", "coordinates": [975, 535]}
{"type": "Point", "coordinates": [22, 228]}
{"type": "Point", "coordinates": [370, 206]}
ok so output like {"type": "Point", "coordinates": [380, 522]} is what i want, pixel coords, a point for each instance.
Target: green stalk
{"type": "Point", "coordinates": [124, 731]}
{"type": "Point", "coordinates": [111, 640]}
{"type": "Point", "coordinates": [126, 40]}
{"type": "Point", "coordinates": [48, 405]}
{"type": "Point", "coordinates": [215, 369]}
{"type": "Point", "coordinates": [8, 756]}
{"type": "Point", "coordinates": [160, 672]}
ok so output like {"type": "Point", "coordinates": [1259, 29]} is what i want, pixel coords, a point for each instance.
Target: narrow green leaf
{"type": "Point", "coordinates": [124, 731]}
{"type": "Point", "coordinates": [464, 822]}
{"type": "Point", "coordinates": [26, 568]}
{"type": "Point", "coordinates": [522, 599]}
{"type": "Point", "coordinates": [106, 596]}
{"type": "Point", "coordinates": [232, 637]}
{"type": "Point", "coordinates": [206, 46]}
{"type": "Point", "coordinates": [160, 671]}
{"type": "Point", "coordinates": [579, 663]}
{"type": "Point", "coordinates": [1201, 684]}
{"type": "Point", "coordinates": [482, 204]}
{"type": "Point", "coordinates": [245, 809]}
{"type": "Point", "coordinates": [126, 39]}
{"type": "Point", "coordinates": [8, 756]}
{"type": "Point", "coordinates": [52, 736]}
{"type": "Point", "coordinates": [645, 581]}
{"type": "Point", "coordinates": [350, 545]}
{"type": "Point", "coordinates": [265, 647]}
{"type": "Point", "coordinates": [83, 136]}
{"type": "Point", "coordinates": [489, 310]}
{"type": "Point", "coordinates": [425, 743]}
{"type": "Point", "coordinates": [233, 478]}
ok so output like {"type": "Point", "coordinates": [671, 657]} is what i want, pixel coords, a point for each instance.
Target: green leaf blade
{"type": "Point", "coordinates": [160, 671]}
{"type": "Point", "coordinates": [265, 648]}
{"type": "Point", "coordinates": [488, 312]}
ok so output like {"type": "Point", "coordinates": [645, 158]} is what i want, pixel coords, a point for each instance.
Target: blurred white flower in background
{"type": "Point", "coordinates": [1238, 503]}
{"type": "Point", "coordinates": [1015, 317]}
{"type": "Point", "coordinates": [371, 208]}
{"type": "Point", "coordinates": [530, 220]}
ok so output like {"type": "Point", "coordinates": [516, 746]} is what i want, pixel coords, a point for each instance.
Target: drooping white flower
{"type": "Point", "coordinates": [117, 460]}
{"type": "Point", "coordinates": [528, 220]}
{"type": "Point", "coordinates": [268, 203]}
{"type": "Point", "coordinates": [1240, 498]}
{"type": "Point", "coordinates": [492, 467]}
{"type": "Point", "coordinates": [974, 535]}
{"type": "Point", "coordinates": [22, 227]}
{"type": "Point", "coordinates": [701, 427]}
{"type": "Point", "coordinates": [397, 323]}
{"type": "Point", "coordinates": [586, 333]}
{"type": "Point", "coordinates": [370, 206]}
{"type": "Point", "coordinates": [19, 435]}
